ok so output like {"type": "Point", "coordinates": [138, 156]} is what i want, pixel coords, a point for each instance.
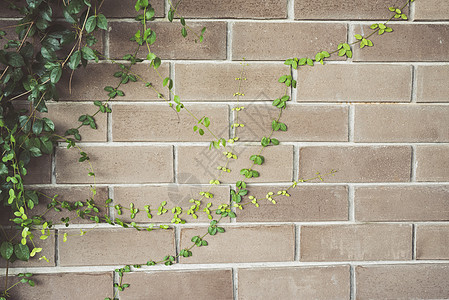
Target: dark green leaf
{"type": "Point", "coordinates": [102, 23]}
{"type": "Point", "coordinates": [22, 252]}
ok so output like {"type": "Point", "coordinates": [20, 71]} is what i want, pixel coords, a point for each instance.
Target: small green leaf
{"type": "Point", "coordinates": [91, 23]}
{"type": "Point", "coordinates": [102, 22]}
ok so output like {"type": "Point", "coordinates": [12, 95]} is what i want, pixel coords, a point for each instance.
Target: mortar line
{"type": "Point", "coordinates": [295, 162]}
{"type": "Point", "coordinates": [351, 203]}
{"type": "Point", "coordinates": [111, 194]}
{"type": "Point", "coordinates": [290, 10]}
{"type": "Point", "coordinates": [229, 26]}
{"type": "Point", "coordinates": [351, 122]}
{"type": "Point", "coordinates": [109, 138]}
{"type": "Point", "coordinates": [175, 164]}
{"type": "Point", "coordinates": [411, 11]}
{"type": "Point", "coordinates": [53, 167]}
{"type": "Point", "coordinates": [166, 8]}
{"type": "Point", "coordinates": [297, 242]}
{"type": "Point", "coordinates": [235, 278]}
{"type": "Point", "coordinates": [106, 41]}
{"type": "Point", "coordinates": [352, 283]}
{"type": "Point", "coordinates": [414, 165]}
{"type": "Point", "coordinates": [413, 94]}
{"type": "Point", "coordinates": [56, 257]}
{"type": "Point", "coordinates": [172, 75]}
{"type": "Point", "coordinates": [414, 241]}
{"type": "Point", "coordinates": [115, 279]}
{"type": "Point", "coordinates": [177, 241]}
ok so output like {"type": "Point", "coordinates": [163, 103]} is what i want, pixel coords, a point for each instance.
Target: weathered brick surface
{"type": "Point", "coordinates": [420, 281]}
{"type": "Point", "coordinates": [355, 83]}
{"type": "Point", "coordinates": [159, 122]}
{"type": "Point", "coordinates": [401, 123]}
{"type": "Point", "coordinates": [279, 41]}
{"type": "Point", "coordinates": [174, 195]}
{"type": "Point", "coordinates": [356, 242]}
{"type": "Point", "coordinates": [99, 247]}
{"type": "Point", "coordinates": [432, 163]}
{"type": "Point", "coordinates": [304, 123]}
{"type": "Point", "coordinates": [217, 81]}
{"type": "Point", "coordinates": [270, 9]}
{"type": "Point", "coordinates": [432, 241]}
{"type": "Point", "coordinates": [116, 164]}
{"type": "Point", "coordinates": [125, 8]}
{"type": "Point", "coordinates": [242, 244]}
{"type": "Point", "coordinates": [306, 203]}
{"type": "Point", "coordinates": [87, 85]}
{"type": "Point", "coordinates": [65, 116]}
{"type": "Point", "coordinates": [401, 203]}
{"type": "Point", "coordinates": [66, 286]}
{"type": "Point", "coordinates": [39, 170]}
{"type": "Point", "coordinates": [199, 284]}
{"type": "Point", "coordinates": [357, 164]}
{"type": "Point", "coordinates": [410, 42]}
{"type": "Point", "coordinates": [431, 10]}
{"type": "Point", "coordinates": [431, 83]}
{"type": "Point", "coordinates": [344, 9]}
{"type": "Point", "coordinates": [198, 164]}
{"type": "Point", "coordinates": [294, 283]}
{"type": "Point", "coordinates": [173, 45]}
{"type": "Point", "coordinates": [48, 249]}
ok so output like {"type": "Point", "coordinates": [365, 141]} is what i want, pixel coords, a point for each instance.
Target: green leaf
{"type": "Point", "coordinates": [184, 32]}
{"type": "Point", "coordinates": [14, 59]}
{"type": "Point", "coordinates": [55, 74]}
{"type": "Point", "coordinates": [6, 250]}
{"type": "Point", "coordinates": [91, 23]}
{"type": "Point", "coordinates": [157, 62]}
{"type": "Point", "coordinates": [22, 252]}
{"type": "Point", "coordinates": [102, 23]}
{"type": "Point", "coordinates": [88, 53]}
{"type": "Point", "coordinates": [38, 125]}
{"type": "Point", "coordinates": [75, 60]}
{"type": "Point", "coordinates": [358, 36]}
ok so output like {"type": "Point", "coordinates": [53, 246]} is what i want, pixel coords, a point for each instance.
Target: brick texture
{"type": "Point", "coordinates": [277, 166]}
{"type": "Point", "coordinates": [279, 41]}
{"type": "Point", "coordinates": [116, 165]}
{"type": "Point", "coordinates": [125, 8]}
{"type": "Point", "coordinates": [216, 82]}
{"type": "Point", "coordinates": [431, 242]}
{"type": "Point", "coordinates": [294, 283]}
{"type": "Point", "coordinates": [305, 123]}
{"type": "Point", "coordinates": [201, 285]}
{"type": "Point", "coordinates": [270, 9]}
{"type": "Point", "coordinates": [401, 123]}
{"type": "Point", "coordinates": [344, 9]}
{"type": "Point", "coordinates": [432, 163]}
{"type": "Point", "coordinates": [242, 244]}
{"type": "Point", "coordinates": [430, 83]}
{"type": "Point", "coordinates": [355, 83]}
{"type": "Point", "coordinates": [65, 286]}
{"type": "Point", "coordinates": [356, 242]}
{"type": "Point", "coordinates": [39, 170]}
{"type": "Point", "coordinates": [431, 10]}
{"type": "Point", "coordinates": [357, 164]}
{"type": "Point", "coordinates": [306, 203]}
{"type": "Point", "coordinates": [162, 123]}
{"type": "Point", "coordinates": [401, 203]}
{"type": "Point", "coordinates": [423, 281]}
{"type": "Point", "coordinates": [406, 44]}
{"type": "Point", "coordinates": [88, 86]}
{"type": "Point", "coordinates": [174, 195]}
{"type": "Point", "coordinates": [99, 247]}
{"type": "Point", "coordinates": [173, 45]}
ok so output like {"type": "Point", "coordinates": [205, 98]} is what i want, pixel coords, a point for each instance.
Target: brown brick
{"type": "Point", "coordinates": [305, 204]}
{"type": "Point", "coordinates": [65, 286]}
{"type": "Point", "coordinates": [168, 285]}
{"type": "Point", "coordinates": [401, 123]}
{"type": "Point", "coordinates": [70, 194]}
{"type": "Point", "coordinates": [217, 81]}
{"type": "Point", "coordinates": [355, 83]}
{"type": "Point", "coordinates": [270, 9]}
{"type": "Point", "coordinates": [7, 12]}
{"type": "Point", "coordinates": [401, 203]}
{"type": "Point", "coordinates": [408, 42]}
{"type": "Point", "coordinates": [356, 242]}
{"type": "Point", "coordinates": [172, 45]}
{"type": "Point", "coordinates": [431, 83]}
{"type": "Point", "coordinates": [65, 116]}
{"type": "Point", "coordinates": [294, 283]}
{"type": "Point", "coordinates": [100, 247]}
{"type": "Point", "coordinates": [48, 249]}
{"type": "Point", "coordinates": [432, 241]}
{"type": "Point", "coordinates": [279, 41]}
{"type": "Point", "coordinates": [345, 9]}
{"type": "Point", "coordinates": [357, 164]}
{"type": "Point", "coordinates": [116, 164]}
{"type": "Point", "coordinates": [159, 122]}
{"type": "Point", "coordinates": [304, 123]}
{"type": "Point", "coordinates": [198, 164]}
{"type": "Point", "coordinates": [88, 85]}
{"type": "Point", "coordinates": [174, 195]}
{"type": "Point", "coordinates": [431, 10]}
{"type": "Point", "coordinates": [432, 163]}
{"type": "Point", "coordinates": [418, 281]}
{"type": "Point", "coordinates": [39, 170]}
{"type": "Point", "coordinates": [8, 27]}
{"type": "Point", "coordinates": [242, 244]}
{"type": "Point", "coordinates": [125, 8]}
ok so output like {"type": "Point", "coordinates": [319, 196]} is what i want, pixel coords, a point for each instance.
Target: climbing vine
{"type": "Point", "coordinates": [31, 66]}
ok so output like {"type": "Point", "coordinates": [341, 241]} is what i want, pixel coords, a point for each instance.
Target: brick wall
{"type": "Point", "coordinates": [375, 230]}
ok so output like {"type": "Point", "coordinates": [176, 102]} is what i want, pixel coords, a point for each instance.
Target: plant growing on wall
{"type": "Point", "coordinates": [32, 66]}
